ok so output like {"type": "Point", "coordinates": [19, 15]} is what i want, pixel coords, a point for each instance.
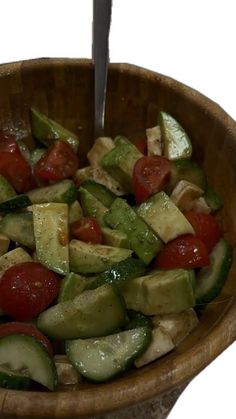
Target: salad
{"type": "Point", "coordinates": [102, 267]}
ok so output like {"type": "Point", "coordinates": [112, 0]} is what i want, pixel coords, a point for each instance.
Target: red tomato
{"type": "Point", "coordinates": [26, 289]}
{"type": "Point", "coordinates": [8, 143]}
{"type": "Point", "coordinates": [25, 329]}
{"type": "Point", "coordinates": [141, 145]}
{"type": "Point", "coordinates": [150, 175]}
{"type": "Point", "coordinates": [184, 252]}
{"type": "Point", "coordinates": [205, 227]}
{"type": "Point", "coordinates": [58, 163]}
{"type": "Point", "coordinates": [87, 229]}
{"type": "Point", "coordinates": [16, 170]}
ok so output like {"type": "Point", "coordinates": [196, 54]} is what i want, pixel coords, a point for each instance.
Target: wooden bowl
{"type": "Point", "coordinates": [63, 89]}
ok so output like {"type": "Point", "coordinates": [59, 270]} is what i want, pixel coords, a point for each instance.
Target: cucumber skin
{"type": "Point", "coordinates": [211, 294]}
{"type": "Point", "coordinates": [126, 365]}
{"type": "Point", "coordinates": [40, 196]}
{"type": "Point", "coordinates": [126, 269]}
{"type": "Point", "coordinates": [103, 194]}
{"type": "Point", "coordinates": [15, 203]}
{"type": "Point", "coordinates": [14, 382]}
{"type": "Point", "coordinates": [213, 199]}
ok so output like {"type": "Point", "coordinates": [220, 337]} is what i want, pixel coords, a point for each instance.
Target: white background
{"type": "Point", "coordinates": [190, 40]}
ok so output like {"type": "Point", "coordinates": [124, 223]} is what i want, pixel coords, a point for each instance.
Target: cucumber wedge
{"type": "Point", "coordinates": [177, 144]}
{"type": "Point", "coordinates": [12, 258]}
{"type": "Point", "coordinates": [213, 199]}
{"type": "Point", "coordinates": [18, 227]}
{"type": "Point", "coordinates": [26, 357]}
{"type": "Point", "coordinates": [103, 194]}
{"type": "Point", "coordinates": [104, 358]}
{"type": "Point", "coordinates": [9, 379]}
{"type": "Point", "coordinates": [71, 286]}
{"type": "Point", "coordinates": [61, 192]}
{"type": "Point", "coordinates": [210, 280]}
{"type": "Point", "coordinates": [6, 190]}
{"type": "Point", "coordinates": [92, 313]}
{"type": "Point", "coordinates": [51, 236]}
{"type": "Point", "coordinates": [47, 131]}
{"type": "Point", "coordinates": [36, 155]}
{"type": "Point", "coordinates": [92, 207]}
{"type": "Point", "coordinates": [186, 170]}
{"type": "Point", "coordinates": [15, 203]}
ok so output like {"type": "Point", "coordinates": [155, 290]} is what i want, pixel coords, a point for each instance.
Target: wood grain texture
{"type": "Point", "coordinates": [63, 89]}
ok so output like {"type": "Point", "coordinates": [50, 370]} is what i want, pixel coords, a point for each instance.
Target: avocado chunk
{"type": "Point", "coordinates": [48, 131]}
{"type": "Point", "coordinates": [93, 258]}
{"type": "Point", "coordinates": [141, 238]}
{"type": "Point", "coordinates": [91, 206]}
{"type": "Point", "coordinates": [120, 161]}
{"type": "Point", "coordinates": [114, 238]}
{"type": "Point", "coordinates": [93, 313]}
{"type": "Point", "coordinates": [163, 216]}
{"type": "Point", "coordinates": [177, 144]}
{"type": "Point", "coordinates": [161, 292]}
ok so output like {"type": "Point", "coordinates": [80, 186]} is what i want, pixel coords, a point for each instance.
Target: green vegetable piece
{"type": "Point", "coordinates": [18, 227]}
{"type": "Point", "coordinates": [186, 170]}
{"type": "Point", "coordinates": [75, 212]}
{"type": "Point", "coordinates": [122, 271]}
{"type": "Point", "coordinates": [138, 320]}
{"type": "Point", "coordinates": [48, 131]}
{"type": "Point", "coordinates": [94, 258]}
{"type": "Point", "coordinates": [141, 238]}
{"type": "Point", "coordinates": [71, 286]}
{"type": "Point", "coordinates": [213, 199]}
{"type": "Point", "coordinates": [6, 190]}
{"type": "Point", "coordinates": [104, 358]}
{"type": "Point", "coordinates": [24, 150]}
{"type": "Point", "coordinates": [92, 313]}
{"type": "Point", "coordinates": [16, 203]}
{"type": "Point", "coordinates": [177, 144]}
{"type": "Point", "coordinates": [103, 194]}
{"type": "Point", "coordinates": [114, 238]}
{"type": "Point", "coordinates": [36, 155]}
{"type": "Point", "coordinates": [11, 380]}
{"type": "Point", "coordinates": [91, 206]}
{"type": "Point", "coordinates": [64, 191]}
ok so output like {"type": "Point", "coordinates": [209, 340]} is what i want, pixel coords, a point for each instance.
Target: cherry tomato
{"type": "Point", "coordinates": [141, 145]}
{"type": "Point", "coordinates": [26, 289]}
{"type": "Point", "coordinates": [58, 163]}
{"type": "Point", "coordinates": [25, 329]}
{"type": "Point", "coordinates": [183, 252]}
{"type": "Point", "coordinates": [16, 170]}
{"type": "Point", "coordinates": [87, 230]}
{"type": "Point", "coordinates": [205, 227]}
{"type": "Point", "coordinates": [150, 175]}
{"type": "Point", "coordinates": [8, 143]}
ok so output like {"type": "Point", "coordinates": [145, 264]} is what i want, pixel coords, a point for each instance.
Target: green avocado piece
{"type": "Point", "coordinates": [161, 292]}
{"type": "Point", "coordinates": [48, 131]}
{"type": "Point", "coordinates": [94, 258]}
{"type": "Point", "coordinates": [177, 144]}
{"type": "Point", "coordinates": [164, 217]}
{"type": "Point", "coordinates": [91, 206]}
{"type": "Point", "coordinates": [120, 161]}
{"type": "Point", "coordinates": [93, 313]}
{"type": "Point", "coordinates": [141, 238]}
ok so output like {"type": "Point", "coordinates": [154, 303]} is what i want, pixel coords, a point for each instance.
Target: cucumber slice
{"type": "Point", "coordinates": [18, 227]}
{"type": "Point", "coordinates": [51, 236]}
{"type": "Point", "coordinates": [26, 357]}
{"type": "Point", "coordinates": [104, 358]}
{"type": "Point", "coordinates": [24, 150]}
{"type": "Point", "coordinates": [103, 194]}
{"type": "Point", "coordinates": [15, 203]}
{"type": "Point", "coordinates": [210, 280]}
{"type": "Point", "coordinates": [213, 199]}
{"type": "Point", "coordinates": [61, 192]}
{"type": "Point", "coordinates": [12, 258]}
{"type": "Point", "coordinates": [114, 238]}
{"type": "Point", "coordinates": [138, 320]}
{"type": "Point", "coordinates": [126, 269]}
{"type": "Point", "coordinates": [6, 190]}
{"type": "Point", "coordinates": [92, 313]}
{"type": "Point", "coordinates": [36, 155]}
{"type": "Point", "coordinates": [186, 170]}
{"type": "Point", "coordinates": [9, 379]}
{"type": "Point", "coordinates": [75, 212]}
{"type": "Point", "coordinates": [71, 286]}
{"type": "Point", "coordinates": [92, 207]}
{"type": "Point", "coordinates": [177, 144]}
{"type": "Point", "coordinates": [47, 131]}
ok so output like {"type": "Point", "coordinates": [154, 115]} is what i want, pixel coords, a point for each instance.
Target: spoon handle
{"type": "Point", "coordinates": [101, 28]}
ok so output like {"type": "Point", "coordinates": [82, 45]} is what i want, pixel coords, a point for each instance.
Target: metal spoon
{"type": "Point", "coordinates": [101, 28]}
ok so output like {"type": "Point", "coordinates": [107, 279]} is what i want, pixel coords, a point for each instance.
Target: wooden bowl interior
{"type": "Point", "coordinates": [63, 89]}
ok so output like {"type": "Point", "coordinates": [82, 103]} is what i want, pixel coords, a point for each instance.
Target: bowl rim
{"type": "Point", "coordinates": [146, 384]}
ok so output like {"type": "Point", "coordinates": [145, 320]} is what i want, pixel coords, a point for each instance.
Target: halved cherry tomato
{"type": "Point", "coordinates": [26, 289]}
{"type": "Point", "coordinates": [205, 227]}
{"type": "Point", "coordinates": [150, 175]}
{"type": "Point", "coordinates": [185, 252]}
{"type": "Point", "coordinates": [25, 329]}
{"type": "Point", "coordinates": [8, 143]}
{"type": "Point", "coordinates": [16, 170]}
{"type": "Point", "coordinates": [141, 145]}
{"type": "Point", "coordinates": [58, 163]}
{"type": "Point", "coordinates": [87, 230]}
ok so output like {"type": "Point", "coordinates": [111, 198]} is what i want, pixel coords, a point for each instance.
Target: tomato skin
{"type": "Point", "coordinates": [185, 252]}
{"type": "Point", "coordinates": [141, 145]}
{"type": "Point", "coordinates": [150, 175]}
{"type": "Point", "coordinates": [205, 227]}
{"type": "Point", "coordinates": [25, 329]}
{"type": "Point", "coordinates": [87, 230]}
{"type": "Point", "coordinates": [58, 163]}
{"type": "Point", "coordinates": [8, 144]}
{"type": "Point", "coordinates": [16, 170]}
{"type": "Point", "coordinates": [27, 289]}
